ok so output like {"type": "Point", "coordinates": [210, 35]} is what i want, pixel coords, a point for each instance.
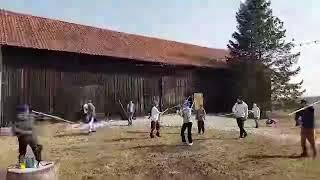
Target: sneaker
{"type": "Point", "coordinates": [190, 144]}
{"type": "Point", "coordinates": [151, 135]}
{"type": "Point", "coordinates": [184, 143]}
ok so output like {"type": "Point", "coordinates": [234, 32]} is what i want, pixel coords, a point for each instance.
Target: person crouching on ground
{"type": "Point", "coordinates": [23, 129]}
{"type": "Point", "coordinates": [91, 115]}
{"type": "Point", "coordinates": [307, 129]}
{"type": "Point", "coordinates": [187, 123]}
{"type": "Point", "coordinates": [256, 114]}
{"type": "Point", "coordinates": [155, 124]}
{"type": "Point", "coordinates": [240, 110]}
{"type": "Point", "coordinates": [201, 116]}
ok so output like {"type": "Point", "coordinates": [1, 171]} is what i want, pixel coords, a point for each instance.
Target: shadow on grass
{"type": "Point", "coordinates": [118, 125]}
{"type": "Point", "coordinates": [158, 146]}
{"type": "Point", "coordinates": [294, 156]}
{"type": "Point", "coordinates": [146, 132]}
{"type": "Point", "coordinates": [125, 139]}
{"type": "Point", "coordinates": [216, 138]}
{"type": "Point", "coordinates": [137, 132]}
{"type": "Point", "coordinates": [72, 135]}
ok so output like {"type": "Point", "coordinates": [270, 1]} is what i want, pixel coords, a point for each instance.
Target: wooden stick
{"type": "Point", "coordinates": [227, 114]}
{"type": "Point", "coordinates": [53, 117]}
{"type": "Point", "coordinates": [171, 108]}
{"type": "Point", "coordinates": [317, 102]}
{"type": "Point", "coordinates": [123, 109]}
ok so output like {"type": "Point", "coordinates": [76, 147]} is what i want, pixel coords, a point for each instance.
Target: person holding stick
{"type": "Point", "coordinates": [187, 123]}
{"type": "Point", "coordinates": [91, 115]}
{"type": "Point", "coordinates": [85, 112]}
{"type": "Point", "coordinates": [256, 114]}
{"type": "Point", "coordinates": [23, 129]}
{"type": "Point", "coordinates": [307, 129]}
{"type": "Point", "coordinates": [130, 112]}
{"type": "Point", "coordinates": [201, 116]}
{"type": "Point", "coordinates": [154, 116]}
{"type": "Point", "coordinates": [240, 110]}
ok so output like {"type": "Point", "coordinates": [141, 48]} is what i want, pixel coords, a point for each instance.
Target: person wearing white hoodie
{"type": "Point", "coordinates": [187, 123]}
{"type": "Point", "coordinates": [155, 116]}
{"type": "Point", "coordinates": [91, 115]}
{"type": "Point", "coordinates": [240, 110]}
{"type": "Point", "coordinates": [256, 113]}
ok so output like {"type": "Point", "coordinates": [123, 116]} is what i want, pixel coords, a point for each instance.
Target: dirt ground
{"type": "Point", "coordinates": [128, 153]}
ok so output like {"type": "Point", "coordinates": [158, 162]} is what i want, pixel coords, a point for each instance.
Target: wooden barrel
{"type": "Point", "coordinates": [48, 171]}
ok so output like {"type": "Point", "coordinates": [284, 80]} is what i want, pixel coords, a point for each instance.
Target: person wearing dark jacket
{"type": "Point", "coordinates": [23, 129]}
{"type": "Point", "coordinates": [307, 129]}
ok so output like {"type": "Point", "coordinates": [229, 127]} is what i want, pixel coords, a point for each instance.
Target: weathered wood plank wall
{"type": "Point", "coordinates": [58, 82]}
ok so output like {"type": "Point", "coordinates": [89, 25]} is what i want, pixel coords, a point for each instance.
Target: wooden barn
{"type": "Point", "coordinates": [55, 66]}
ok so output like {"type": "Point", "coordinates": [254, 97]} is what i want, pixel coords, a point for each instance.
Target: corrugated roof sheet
{"type": "Point", "coordinates": [42, 33]}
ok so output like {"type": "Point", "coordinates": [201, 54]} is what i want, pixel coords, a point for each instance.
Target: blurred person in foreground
{"type": "Point", "coordinates": [24, 130]}
{"type": "Point", "coordinates": [307, 129]}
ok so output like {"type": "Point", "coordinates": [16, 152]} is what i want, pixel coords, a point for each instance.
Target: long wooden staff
{"type": "Point", "coordinates": [53, 117]}
{"type": "Point", "coordinates": [229, 114]}
{"type": "Point", "coordinates": [170, 108]}
{"type": "Point", "coordinates": [317, 102]}
{"type": "Point", "coordinates": [123, 109]}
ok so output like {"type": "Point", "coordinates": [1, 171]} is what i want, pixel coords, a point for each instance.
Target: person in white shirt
{"type": "Point", "coordinates": [256, 113]}
{"type": "Point", "coordinates": [187, 123]}
{"type": "Point", "coordinates": [85, 108]}
{"type": "Point", "coordinates": [240, 111]}
{"type": "Point", "coordinates": [154, 116]}
{"type": "Point", "coordinates": [91, 115]}
{"type": "Point", "coordinates": [130, 111]}
{"type": "Point", "coordinates": [84, 114]}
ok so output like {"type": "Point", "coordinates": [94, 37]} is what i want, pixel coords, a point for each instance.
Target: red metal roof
{"type": "Point", "coordinates": [42, 33]}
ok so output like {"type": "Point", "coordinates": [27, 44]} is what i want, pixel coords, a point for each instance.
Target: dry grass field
{"type": "Point", "coordinates": [128, 153]}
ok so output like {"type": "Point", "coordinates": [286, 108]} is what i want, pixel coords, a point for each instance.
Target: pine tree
{"type": "Point", "coordinates": [262, 59]}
